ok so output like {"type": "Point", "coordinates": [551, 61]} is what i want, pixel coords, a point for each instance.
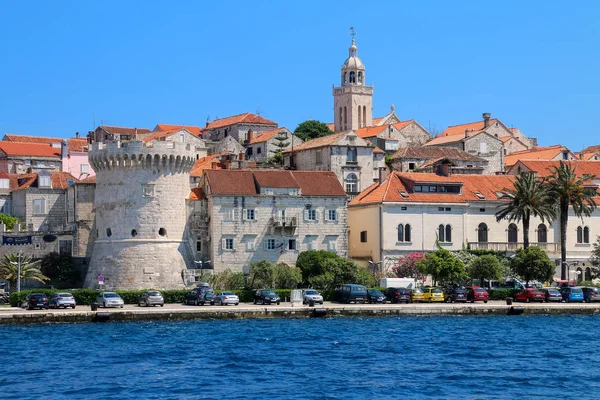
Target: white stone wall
{"type": "Point", "coordinates": [494, 151]}
{"type": "Point", "coordinates": [352, 97]}
{"type": "Point", "coordinates": [513, 145]}
{"type": "Point", "coordinates": [54, 216]}
{"type": "Point", "coordinates": [247, 234]}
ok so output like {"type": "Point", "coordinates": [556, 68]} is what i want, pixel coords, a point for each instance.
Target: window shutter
{"type": "Point", "coordinates": [326, 216]}
{"type": "Point", "coordinates": [317, 215]}
{"type": "Point", "coordinates": [255, 214]}
{"type": "Point", "coordinates": [305, 215]}
{"type": "Point", "coordinates": [235, 214]}
{"type": "Point", "coordinates": [265, 244]}
{"type": "Point", "coordinates": [223, 244]}
{"type": "Point", "coordinates": [244, 214]}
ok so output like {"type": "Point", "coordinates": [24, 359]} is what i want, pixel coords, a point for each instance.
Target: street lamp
{"type": "Point", "coordinates": [373, 265]}
{"type": "Point", "coordinates": [18, 264]}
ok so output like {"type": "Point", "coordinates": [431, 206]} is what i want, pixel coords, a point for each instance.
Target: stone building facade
{"type": "Point", "coordinates": [81, 216]}
{"type": "Point", "coordinates": [140, 202]}
{"type": "Point", "coordinates": [261, 146]}
{"type": "Point", "coordinates": [242, 216]}
{"type": "Point", "coordinates": [237, 127]}
{"type": "Point", "coordinates": [427, 158]}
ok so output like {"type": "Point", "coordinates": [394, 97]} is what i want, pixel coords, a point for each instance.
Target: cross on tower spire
{"type": "Point", "coordinates": [352, 33]}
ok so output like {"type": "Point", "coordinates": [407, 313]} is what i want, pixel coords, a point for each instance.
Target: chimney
{"type": "Point", "coordinates": [466, 133]}
{"type": "Point", "coordinates": [486, 119]}
{"type": "Point", "coordinates": [382, 174]}
{"type": "Point", "coordinates": [250, 135]}
{"type": "Point", "coordinates": [443, 169]}
{"type": "Point", "coordinates": [90, 137]}
{"type": "Point", "coordinates": [76, 135]}
{"type": "Point", "coordinates": [64, 149]}
{"type": "Point", "coordinates": [241, 156]}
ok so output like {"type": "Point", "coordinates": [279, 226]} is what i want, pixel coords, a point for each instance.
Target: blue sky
{"type": "Point", "coordinates": [532, 64]}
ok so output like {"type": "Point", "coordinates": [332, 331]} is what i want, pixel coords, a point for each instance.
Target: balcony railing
{"type": "Point", "coordinates": [511, 247]}
{"type": "Point", "coordinates": [289, 222]}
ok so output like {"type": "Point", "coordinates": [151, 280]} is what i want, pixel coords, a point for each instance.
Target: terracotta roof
{"type": "Point", "coordinates": [119, 130]}
{"type": "Point", "coordinates": [471, 126]}
{"type": "Point", "coordinates": [544, 168]}
{"type": "Point", "coordinates": [450, 139]}
{"type": "Point", "coordinates": [320, 142]}
{"type": "Point", "coordinates": [246, 118]}
{"type": "Point", "coordinates": [90, 180]}
{"type": "Point", "coordinates": [58, 180]}
{"type": "Point", "coordinates": [197, 194]}
{"type": "Point", "coordinates": [208, 162]}
{"type": "Point", "coordinates": [74, 144]}
{"type": "Point", "coordinates": [29, 149]}
{"type": "Point", "coordinates": [194, 130]}
{"type": "Point", "coordinates": [77, 145]}
{"type": "Point", "coordinates": [378, 150]}
{"type": "Point", "coordinates": [12, 179]}
{"type": "Point", "coordinates": [435, 152]}
{"type": "Point", "coordinates": [370, 131]}
{"type": "Point", "coordinates": [247, 182]}
{"type": "Point", "coordinates": [331, 127]}
{"type": "Point", "coordinates": [591, 149]}
{"type": "Point", "coordinates": [535, 153]}
{"type": "Point", "coordinates": [588, 156]}
{"type": "Point", "coordinates": [260, 137]}
{"type": "Point", "coordinates": [377, 121]}
{"type": "Point", "coordinates": [401, 182]}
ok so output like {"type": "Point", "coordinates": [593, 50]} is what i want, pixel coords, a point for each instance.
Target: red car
{"type": "Point", "coordinates": [476, 293]}
{"type": "Point", "coordinates": [529, 295]}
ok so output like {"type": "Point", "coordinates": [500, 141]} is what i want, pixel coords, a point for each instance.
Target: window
{"type": "Point", "coordinates": [310, 243]}
{"type": "Point", "coordinates": [182, 137]}
{"type": "Point", "coordinates": [318, 157]}
{"type": "Point", "coordinates": [44, 181]}
{"type": "Point", "coordinates": [351, 153]}
{"type": "Point", "coordinates": [482, 210]}
{"type": "Point", "coordinates": [403, 208]}
{"type": "Point", "coordinates": [228, 244]}
{"type": "Point", "coordinates": [198, 246]}
{"type": "Point", "coordinates": [230, 214]}
{"type": "Point", "coordinates": [51, 164]}
{"type": "Point", "coordinates": [512, 234]}
{"type": "Point", "coordinates": [291, 244]}
{"type": "Point", "coordinates": [448, 234]}
{"type": "Point", "coordinates": [483, 147]}
{"type": "Point", "coordinates": [249, 151]}
{"type": "Point", "coordinates": [249, 214]}
{"type": "Point", "coordinates": [404, 233]}
{"type": "Point", "coordinates": [267, 191]}
{"type": "Point", "coordinates": [579, 234]}
{"type": "Point", "coordinates": [444, 233]}
{"type": "Point", "coordinates": [28, 162]}
{"type": "Point", "coordinates": [4, 184]}
{"type": "Point", "coordinates": [162, 232]}
{"type": "Point", "coordinates": [311, 214]}
{"type": "Point", "coordinates": [565, 156]}
{"type": "Point", "coordinates": [250, 243]}
{"type": "Point", "coordinates": [440, 208]}
{"type": "Point", "coordinates": [418, 188]}
{"type": "Point", "coordinates": [148, 190]}
{"type": "Point", "coordinates": [258, 150]}
{"type": "Point", "coordinates": [39, 206]}
{"type": "Point", "coordinates": [482, 233]}
{"type": "Point", "coordinates": [352, 77]}
{"type": "Point", "coordinates": [586, 235]}
{"type": "Point", "coordinates": [293, 192]}
{"type": "Point", "coordinates": [331, 244]}
{"type": "Point", "coordinates": [542, 234]}
{"type": "Point", "coordinates": [85, 169]}
{"type": "Point", "coordinates": [363, 237]}
{"type": "Point", "coordinates": [65, 247]}
{"type": "Point", "coordinates": [133, 233]}
{"type": "Point", "coordinates": [331, 215]}
{"type": "Point", "coordinates": [448, 209]}
{"type": "Point", "coordinates": [108, 232]}
{"type": "Point", "coordinates": [441, 233]}
{"type": "Point", "coordinates": [270, 244]}
{"type": "Point", "coordinates": [351, 183]}
{"type": "Point", "coordinates": [411, 166]}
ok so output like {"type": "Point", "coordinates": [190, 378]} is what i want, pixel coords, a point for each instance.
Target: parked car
{"type": "Point", "coordinates": [311, 294]}
{"type": "Point", "coordinates": [398, 295]}
{"type": "Point", "coordinates": [151, 298]}
{"type": "Point", "coordinates": [375, 296]}
{"type": "Point", "coordinates": [36, 300]}
{"type": "Point", "coordinates": [266, 296]}
{"type": "Point", "coordinates": [570, 293]}
{"type": "Point", "coordinates": [551, 294]}
{"type": "Point", "coordinates": [200, 296]}
{"type": "Point", "coordinates": [350, 292]}
{"type": "Point", "coordinates": [530, 294]}
{"type": "Point", "coordinates": [476, 293]}
{"type": "Point", "coordinates": [591, 294]}
{"type": "Point", "coordinates": [224, 298]}
{"type": "Point", "coordinates": [455, 294]}
{"type": "Point", "coordinates": [59, 300]}
{"type": "Point", "coordinates": [431, 294]}
{"type": "Point", "coordinates": [416, 294]}
{"type": "Point", "coordinates": [109, 299]}
{"type": "Point", "coordinates": [203, 285]}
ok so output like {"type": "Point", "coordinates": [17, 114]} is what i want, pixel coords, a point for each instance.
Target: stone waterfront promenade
{"type": "Point", "coordinates": [174, 312]}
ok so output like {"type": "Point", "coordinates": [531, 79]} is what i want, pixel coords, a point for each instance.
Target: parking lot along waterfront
{"type": "Point", "coordinates": [331, 358]}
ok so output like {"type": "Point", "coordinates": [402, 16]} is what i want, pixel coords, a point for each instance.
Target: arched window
{"type": "Point", "coordinates": [352, 77]}
{"type": "Point", "coordinates": [345, 115]}
{"type": "Point", "coordinates": [448, 233]}
{"type": "Point", "coordinates": [482, 233]}
{"type": "Point", "coordinates": [341, 116]}
{"type": "Point", "coordinates": [345, 77]}
{"type": "Point", "coordinates": [352, 154]}
{"type": "Point", "coordinates": [512, 234]}
{"type": "Point", "coordinates": [542, 233]}
{"type": "Point", "coordinates": [407, 233]}
{"type": "Point", "coordinates": [441, 233]}
{"type": "Point", "coordinates": [579, 234]}
{"type": "Point", "coordinates": [360, 77]}
{"type": "Point", "coordinates": [351, 183]}
{"type": "Point", "coordinates": [364, 115]}
{"type": "Point", "coordinates": [359, 117]}
{"type": "Point", "coordinates": [586, 235]}
{"type": "Point", "coordinates": [401, 233]}
{"type": "Point", "coordinates": [588, 274]}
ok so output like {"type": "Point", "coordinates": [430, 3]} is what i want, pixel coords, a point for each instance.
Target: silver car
{"type": "Point", "coordinates": [109, 299]}
{"type": "Point", "coordinates": [224, 298]}
{"type": "Point", "coordinates": [151, 298]}
{"type": "Point", "coordinates": [59, 300]}
{"type": "Point", "coordinates": [311, 294]}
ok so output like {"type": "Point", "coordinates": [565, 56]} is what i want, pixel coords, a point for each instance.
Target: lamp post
{"type": "Point", "coordinates": [18, 264]}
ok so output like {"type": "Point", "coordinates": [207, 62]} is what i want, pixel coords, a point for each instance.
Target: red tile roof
{"type": "Point", "coordinates": [375, 130]}
{"type": "Point", "coordinates": [246, 118]}
{"type": "Point", "coordinates": [204, 163]}
{"type": "Point", "coordinates": [401, 182]}
{"type": "Point", "coordinates": [591, 149]}
{"type": "Point", "coordinates": [248, 182]}
{"type": "Point", "coordinates": [90, 180]}
{"type": "Point", "coordinates": [588, 156]}
{"type": "Point", "coordinates": [197, 194]}
{"type": "Point", "coordinates": [535, 153]}
{"type": "Point", "coordinates": [450, 139]}
{"type": "Point", "coordinates": [194, 130]}
{"type": "Point", "coordinates": [471, 126]}
{"type": "Point", "coordinates": [435, 152]}
{"type": "Point", "coordinates": [331, 127]}
{"type": "Point", "coordinates": [74, 144]}
{"type": "Point", "coordinates": [119, 130]}
{"type": "Point", "coordinates": [544, 168]}
{"type": "Point", "coordinates": [58, 180]}
{"type": "Point", "coordinates": [12, 179]}
{"type": "Point", "coordinates": [260, 137]}
{"type": "Point", "coordinates": [320, 142]}
{"type": "Point", "coordinates": [29, 149]}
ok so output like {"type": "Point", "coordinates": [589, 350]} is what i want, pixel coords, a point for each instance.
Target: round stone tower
{"type": "Point", "coordinates": [140, 197]}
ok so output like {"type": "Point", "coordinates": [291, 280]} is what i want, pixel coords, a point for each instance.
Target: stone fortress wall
{"type": "Point", "coordinates": [142, 239]}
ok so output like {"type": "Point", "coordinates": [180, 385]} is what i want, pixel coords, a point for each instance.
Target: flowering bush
{"type": "Point", "coordinates": [406, 267]}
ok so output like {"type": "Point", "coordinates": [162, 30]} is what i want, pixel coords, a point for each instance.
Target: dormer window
{"type": "Point", "coordinates": [4, 184]}
{"type": "Point", "coordinates": [44, 181]}
{"type": "Point", "coordinates": [479, 195]}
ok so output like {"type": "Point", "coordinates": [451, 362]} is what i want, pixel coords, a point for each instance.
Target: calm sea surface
{"type": "Point", "coordinates": [349, 358]}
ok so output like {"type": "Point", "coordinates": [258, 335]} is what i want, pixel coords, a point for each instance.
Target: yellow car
{"type": "Point", "coordinates": [416, 294]}
{"type": "Point", "coordinates": [431, 294]}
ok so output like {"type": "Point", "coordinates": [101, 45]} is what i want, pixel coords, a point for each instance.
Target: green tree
{"type": "Point", "coordinates": [61, 270]}
{"type": "Point", "coordinates": [228, 280]}
{"type": "Point", "coordinates": [9, 221]}
{"type": "Point", "coordinates": [595, 259]}
{"type": "Point", "coordinates": [262, 274]}
{"type": "Point", "coordinates": [569, 190]}
{"type": "Point", "coordinates": [443, 267]}
{"type": "Point", "coordinates": [312, 129]}
{"type": "Point", "coordinates": [533, 264]}
{"type": "Point", "coordinates": [287, 277]}
{"type": "Point", "coordinates": [325, 270]}
{"type": "Point", "coordinates": [486, 267]}
{"type": "Point", "coordinates": [280, 143]}
{"type": "Point", "coordinates": [29, 269]}
{"type": "Point", "coordinates": [528, 198]}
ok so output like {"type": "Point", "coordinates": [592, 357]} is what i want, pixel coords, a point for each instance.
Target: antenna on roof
{"type": "Point", "coordinates": [258, 111]}
{"type": "Point", "coordinates": [352, 33]}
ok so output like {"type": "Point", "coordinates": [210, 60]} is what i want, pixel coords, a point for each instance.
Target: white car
{"type": "Point", "coordinates": [224, 298]}
{"type": "Point", "coordinates": [109, 299]}
{"type": "Point", "coordinates": [311, 294]}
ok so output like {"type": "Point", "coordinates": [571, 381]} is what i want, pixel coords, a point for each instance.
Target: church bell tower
{"type": "Point", "coordinates": [353, 100]}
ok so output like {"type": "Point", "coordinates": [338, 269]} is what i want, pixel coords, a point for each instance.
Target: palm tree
{"type": "Point", "coordinates": [528, 198]}
{"type": "Point", "coordinates": [29, 270]}
{"type": "Point", "coordinates": [568, 189]}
